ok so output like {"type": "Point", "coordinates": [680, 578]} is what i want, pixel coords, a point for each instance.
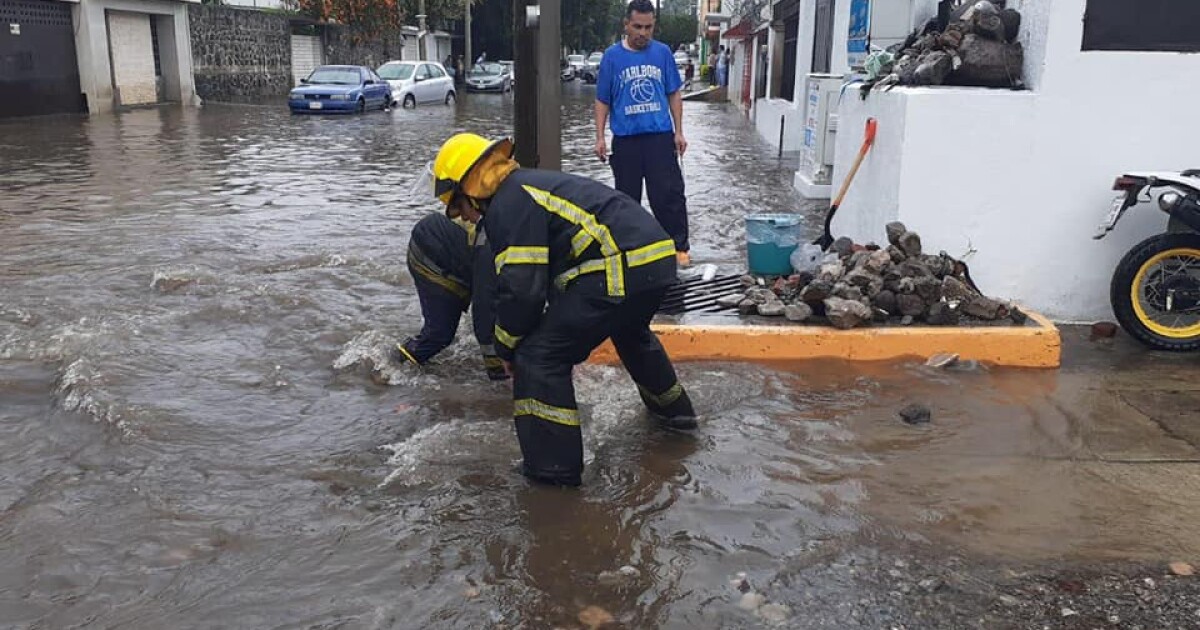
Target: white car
{"type": "Point", "coordinates": [416, 82]}
{"type": "Point", "coordinates": [683, 60]}
{"type": "Point", "coordinates": [578, 64]}
{"type": "Point", "coordinates": [591, 70]}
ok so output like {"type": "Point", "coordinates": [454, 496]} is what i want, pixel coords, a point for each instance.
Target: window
{"type": "Point", "coordinates": [423, 73]}
{"type": "Point", "coordinates": [1142, 25]}
{"type": "Point", "coordinates": [436, 72]}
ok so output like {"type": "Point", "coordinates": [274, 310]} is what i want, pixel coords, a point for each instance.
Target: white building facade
{"type": "Point", "coordinates": [1022, 178]}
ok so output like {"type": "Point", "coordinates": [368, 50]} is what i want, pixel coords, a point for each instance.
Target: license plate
{"type": "Point", "coordinates": [1114, 215]}
{"type": "Point", "coordinates": [314, 105]}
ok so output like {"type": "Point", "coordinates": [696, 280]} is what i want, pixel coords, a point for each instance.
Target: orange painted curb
{"type": "Point", "coordinates": [1036, 346]}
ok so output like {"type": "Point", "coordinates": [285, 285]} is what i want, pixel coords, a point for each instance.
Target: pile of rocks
{"type": "Point", "coordinates": [972, 43]}
{"type": "Point", "coordinates": [856, 285]}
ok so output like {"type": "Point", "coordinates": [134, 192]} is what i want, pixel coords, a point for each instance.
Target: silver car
{"type": "Point", "coordinates": [489, 77]}
{"type": "Point", "coordinates": [416, 82]}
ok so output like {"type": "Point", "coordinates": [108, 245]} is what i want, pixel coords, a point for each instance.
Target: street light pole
{"type": "Point", "coordinates": [468, 60]}
{"type": "Point", "coordinates": [421, 30]}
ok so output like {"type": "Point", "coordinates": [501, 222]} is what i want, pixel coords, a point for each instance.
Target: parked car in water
{"type": "Point", "coordinates": [578, 64]}
{"type": "Point", "coordinates": [414, 82]}
{"type": "Point", "coordinates": [591, 69]}
{"type": "Point", "coordinates": [340, 89]}
{"type": "Point", "coordinates": [489, 77]}
{"type": "Point", "coordinates": [512, 71]}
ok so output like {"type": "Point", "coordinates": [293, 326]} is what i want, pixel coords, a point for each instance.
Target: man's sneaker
{"type": "Point", "coordinates": [683, 260]}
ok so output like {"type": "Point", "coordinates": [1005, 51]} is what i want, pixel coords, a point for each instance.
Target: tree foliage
{"type": "Point", "coordinates": [368, 18]}
{"type": "Point", "coordinates": [674, 30]}
{"type": "Point", "coordinates": [589, 25]}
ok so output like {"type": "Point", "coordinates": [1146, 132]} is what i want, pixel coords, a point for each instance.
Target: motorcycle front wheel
{"type": "Point", "coordinates": [1155, 292]}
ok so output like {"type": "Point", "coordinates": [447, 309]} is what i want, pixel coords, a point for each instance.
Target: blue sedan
{"type": "Point", "coordinates": [340, 89]}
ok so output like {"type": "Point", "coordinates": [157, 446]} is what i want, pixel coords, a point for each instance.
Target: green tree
{"type": "Point", "coordinates": [589, 25]}
{"type": "Point", "coordinates": [674, 30]}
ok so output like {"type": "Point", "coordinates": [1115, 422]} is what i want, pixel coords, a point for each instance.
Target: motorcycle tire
{"type": "Point", "coordinates": [1127, 281]}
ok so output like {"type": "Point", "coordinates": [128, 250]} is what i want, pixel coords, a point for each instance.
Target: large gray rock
{"type": "Point", "coordinates": [988, 63]}
{"type": "Point", "coordinates": [914, 269]}
{"type": "Point", "coordinates": [984, 308]}
{"type": "Point", "coordinates": [847, 292]}
{"type": "Point", "coordinates": [816, 292]}
{"type": "Point", "coordinates": [846, 314]}
{"type": "Point", "coordinates": [748, 307]}
{"type": "Point", "coordinates": [761, 295]}
{"type": "Point", "coordinates": [857, 258]}
{"type": "Point", "coordinates": [955, 289]}
{"type": "Point", "coordinates": [895, 230]}
{"type": "Point", "coordinates": [910, 242]}
{"type": "Point", "coordinates": [910, 304]}
{"type": "Point", "coordinates": [797, 312]}
{"type": "Point", "coordinates": [771, 309]}
{"type": "Point", "coordinates": [877, 261]}
{"type": "Point", "coordinates": [942, 314]}
{"type": "Point", "coordinates": [831, 272]}
{"type": "Point", "coordinates": [897, 255]}
{"type": "Point", "coordinates": [929, 288]}
{"type": "Point", "coordinates": [843, 246]}
{"type": "Point", "coordinates": [885, 300]}
{"type": "Point", "coordinates": [730, 301]}
{"type": "Point", "coordinates": [861, 278]}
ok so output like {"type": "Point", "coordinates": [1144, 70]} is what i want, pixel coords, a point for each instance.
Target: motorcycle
{"type": "Point", "coordinates": [1155, 289]}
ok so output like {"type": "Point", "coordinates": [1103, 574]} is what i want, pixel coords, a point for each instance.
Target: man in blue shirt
{"type": "Point", "coordinates": [638, 87]}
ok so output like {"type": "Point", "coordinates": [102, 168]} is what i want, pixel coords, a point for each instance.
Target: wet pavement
{"type": "Point", "coordinates": [189, 436]}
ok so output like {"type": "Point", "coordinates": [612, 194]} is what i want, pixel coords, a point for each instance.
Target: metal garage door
{"type": "Point", "coordinates": [37, 59]}
{"type": "Point", "coordinates": [307, 54]}
{"type": "Point", "coordinates": [131, 48]}
{"type": "Point", "coordinates": [412, 47]}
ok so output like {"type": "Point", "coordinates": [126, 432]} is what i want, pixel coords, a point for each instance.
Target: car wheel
{"type": "Point", "coordinates": [450, 97]}
{"type": "Point", "coordinates": [362, 105]}
{"type": "Point", "coordinates": [410, 101]}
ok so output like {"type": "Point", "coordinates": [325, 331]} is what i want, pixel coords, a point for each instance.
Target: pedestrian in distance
{"type": "Point", "coordinates": [577, 263]}
{"type": "Point", "coordinates": [451, 265]}
{"type": "Point", "coordinates": [637, 90]}
{"type": "Point", "coordinates": [722, 67]}
{"type": "Point", "coordinates": [712, 67]}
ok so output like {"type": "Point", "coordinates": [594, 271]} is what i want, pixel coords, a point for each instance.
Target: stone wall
{"type": "Point", "coordinates": [240, 55]}
{"type": "Point", "coordinates": [344, 48]}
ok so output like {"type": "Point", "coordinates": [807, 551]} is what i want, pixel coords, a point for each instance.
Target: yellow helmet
{"type": "Point", "coordinates": [457, 157]}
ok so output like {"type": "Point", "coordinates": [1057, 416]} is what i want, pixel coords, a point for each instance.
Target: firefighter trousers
{"type": "Point", "coordinates": [578, 320]}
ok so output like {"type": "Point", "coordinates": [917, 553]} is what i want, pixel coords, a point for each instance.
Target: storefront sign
{"type": "Point", "coordinates": [859, 42]}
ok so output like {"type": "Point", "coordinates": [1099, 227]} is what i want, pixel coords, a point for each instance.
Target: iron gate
{"type": "Point", "coordinates": [39, 73]}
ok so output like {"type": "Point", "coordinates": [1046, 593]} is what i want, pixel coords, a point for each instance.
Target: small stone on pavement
{"type": "Point", "coordinates": [915, 414]}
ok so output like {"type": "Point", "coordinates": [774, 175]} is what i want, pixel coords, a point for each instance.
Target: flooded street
{"type": "Point", "coordinates": [188, 437]}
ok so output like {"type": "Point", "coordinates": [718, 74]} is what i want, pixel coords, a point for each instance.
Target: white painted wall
{"type": "Point", "coordinates": [1024, 177]}
{"type": "Point", "coordinates": [91, 47]}
{"type": "Point", "coordinates": [132, 58]}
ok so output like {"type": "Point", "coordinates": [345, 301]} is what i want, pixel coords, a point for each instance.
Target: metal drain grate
{"type": "Point", "coordinates": [700, 296]}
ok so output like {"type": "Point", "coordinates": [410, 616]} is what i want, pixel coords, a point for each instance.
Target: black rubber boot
{"type": "Point", "coordinates": [678, 415]}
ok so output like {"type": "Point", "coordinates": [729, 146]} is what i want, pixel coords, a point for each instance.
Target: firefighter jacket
{"type": "Point", "coordinates": [548, 229]}
{"type": "Point", "coordinates": [458, 260]}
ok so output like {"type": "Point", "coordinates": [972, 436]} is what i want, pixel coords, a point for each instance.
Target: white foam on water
{"type": "Point", "coordinates": [79, 390]}
{"type": "Point", "coordinates": [169, 279]}
{"type": "Point", "coordinates": [446, 450]}
{"type": "Point", "coordinates": [370, 349]}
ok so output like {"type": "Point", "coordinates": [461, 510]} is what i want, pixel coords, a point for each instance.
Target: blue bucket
{"type": "Point", "coordinates": [770, 241]}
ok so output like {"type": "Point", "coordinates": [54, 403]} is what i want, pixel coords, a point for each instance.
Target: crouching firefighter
{"type": "Point", "coordinates": [451, 266]}
{"type": "Point", "coordinates": [577, 263]}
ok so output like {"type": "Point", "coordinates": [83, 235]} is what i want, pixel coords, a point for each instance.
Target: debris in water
{"type": "Point", "coordinates": [945, 359]}
{"type": "Point", "coordinates": [1067, 612]}
{"type": "Point", "coordinates": [1103, 330]}
{"type": "Point", "coordinates": [751, 601]}
{"type": "Point", "coordinates": [774, 613]}
{"type": "Point", "coordinates": [471, 592]}
{"type": "Point", "coordinates": [1182, 569]}
{"type": "Point", "coordinates": [915, 414]}
{"type": "Point", "coordinates": [621, 576]}
{"type": "Point", "coordinates": [595, 617]}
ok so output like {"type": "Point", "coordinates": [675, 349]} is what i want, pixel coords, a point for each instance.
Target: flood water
{"type": "Point", "coordinates": [188, 437]}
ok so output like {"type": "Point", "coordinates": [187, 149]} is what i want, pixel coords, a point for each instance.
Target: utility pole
{"type": "Point", "coordinates": [468, 59]}
{"type": "Point", "coordinates": [549, 124]}
{"type": "Point", "coordinates": [525, 114]}
{"type": "Point", "coordinates": [421, 30]}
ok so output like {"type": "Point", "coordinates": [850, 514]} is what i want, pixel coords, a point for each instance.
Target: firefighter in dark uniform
{"type": "Point", "coordinates": [451, 265]}
{"type": "Point", "coordinates": [577, 263]}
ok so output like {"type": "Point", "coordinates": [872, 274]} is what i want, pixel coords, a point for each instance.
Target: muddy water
{"type": "Point", "coordinates": [188, 437]}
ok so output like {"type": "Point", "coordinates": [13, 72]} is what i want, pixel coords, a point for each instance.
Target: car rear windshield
{"type": "Point", "coordinates": [334, 76]}
{"type": "Point", "coordinates": [487, 69]}
{"type": "Point", "coordinates": [399, 71]}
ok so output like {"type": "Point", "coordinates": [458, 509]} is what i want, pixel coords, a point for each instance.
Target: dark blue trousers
{"type": "Point", "coordinates": [442, 311]}
{"type": "Point", "coordinates": [651, 158]}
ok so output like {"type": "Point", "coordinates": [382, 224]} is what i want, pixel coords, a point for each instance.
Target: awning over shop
{"type": "Point", "coordinates": [741, 30]}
